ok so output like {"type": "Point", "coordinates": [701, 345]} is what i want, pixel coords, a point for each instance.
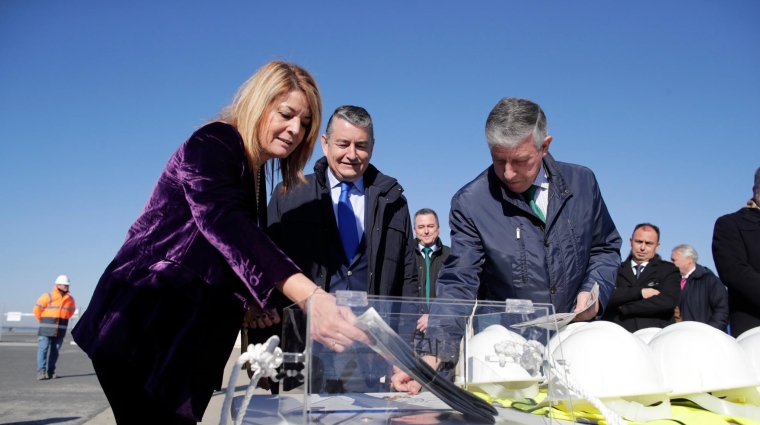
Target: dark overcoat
{"type": "Point", "coordinates": [628, 307]}
{"type": "Point", "coordinates": [704, 299]}
{"type": "Point", "coordinates": [736, 252]}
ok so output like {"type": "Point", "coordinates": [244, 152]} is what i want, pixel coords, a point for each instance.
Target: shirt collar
{"type": "Point", "coordinates": [433, 247]}
{"type": "Point", "coordinates": [359, 184]}
{"type": "Point", "coordinates": [686, 276]}
{"type": "Point", "coordinates": [633, 264]}
{"type": "Point", "coordinates": [541, 180]}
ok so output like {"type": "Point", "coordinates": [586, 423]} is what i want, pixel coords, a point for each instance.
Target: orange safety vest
{"type": "Point", "coordinates": [53, 311]}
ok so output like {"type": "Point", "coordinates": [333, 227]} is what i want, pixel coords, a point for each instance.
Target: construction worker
{"type": "Point", "coordinates": [53, 311]}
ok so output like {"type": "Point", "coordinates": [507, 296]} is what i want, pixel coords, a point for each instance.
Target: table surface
{"type": "Point", "coordinates": [368, 409]}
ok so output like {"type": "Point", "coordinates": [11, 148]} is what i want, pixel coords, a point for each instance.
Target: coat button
{"type": "Point", "coordinates": [547, 243]}
{"type": "Point", "coordinates": [350, 273]}
{"type": "Point", "coordinates": [553, 290]}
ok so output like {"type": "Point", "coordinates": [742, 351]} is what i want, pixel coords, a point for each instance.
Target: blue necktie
{"type": "Point", "coordinates": [347, 222]}
{"type": "Point", "coordinates": [638, 268]}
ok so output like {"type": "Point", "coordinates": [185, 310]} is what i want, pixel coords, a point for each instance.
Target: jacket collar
{"type": "Point", "coordinates": [698, 272]}
{"type": "Point", "coordinates": [557, 184]}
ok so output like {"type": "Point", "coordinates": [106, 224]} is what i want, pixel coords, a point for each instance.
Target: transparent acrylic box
{"type": "Point", "coordinates": [482, 348]}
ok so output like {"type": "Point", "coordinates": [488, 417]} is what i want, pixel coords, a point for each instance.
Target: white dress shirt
{"type": "Point", "coordinates": [433, 247]}
{"type": "Point", "coordinates": [643, 266]}
{"type": "Point", "coordinates": [355, 196]}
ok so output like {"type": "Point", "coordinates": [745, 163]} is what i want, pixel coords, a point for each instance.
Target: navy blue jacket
{"type": "Point", "coordinates": [501, 250]}
{"type": "Point", "coordinates": [704, 299]}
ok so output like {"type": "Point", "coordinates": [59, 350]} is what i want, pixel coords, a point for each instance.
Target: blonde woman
{"type": "Point", "coordinates": [165, 314]}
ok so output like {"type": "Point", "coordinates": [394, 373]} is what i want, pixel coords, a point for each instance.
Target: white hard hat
{"type": "Point", "coordinates": [748, 333]}
{"type": "Point", "coordinates": [560, 336]}
{"type": "Point", "coordinates": [750, 343]}
{"type": "Point", "coordinates": [62, 280]}
{"type": "Point", "coordinates": [607, 362]}
{"type": "Point", "coordinates": [647, 334]}
{"type": "Point", "coordinates": [697, 359]}
{"type": "Point", "coordinates": [495, 363]}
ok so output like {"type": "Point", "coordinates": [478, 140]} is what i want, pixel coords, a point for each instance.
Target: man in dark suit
{"type": "Point", "coordinates": [647, 289]}
{"type": "Point", "coordinates": [736, 252]}
{"type": "Point", "coordinates": [348, 228]}
{"type": "Point", "coordinates": [430, 253]}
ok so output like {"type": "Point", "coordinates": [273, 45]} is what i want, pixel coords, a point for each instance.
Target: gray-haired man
{"type": "Point", "coordinates": [703, 296]}
{"type": "Point", "coordinates": [528, 227]}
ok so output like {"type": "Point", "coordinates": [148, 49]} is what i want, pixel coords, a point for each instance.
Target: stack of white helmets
{"type": "Point", "coordinates": [603, 362]}
{"type": "Point", "coordinates": [502, 364]}
{"type": "Point", "coordinates": [708, 367]}
{"type": "Point", "coordinates": [750, 343]}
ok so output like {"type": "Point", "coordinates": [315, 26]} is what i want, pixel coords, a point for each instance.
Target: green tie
{"type": "Point", "coordinates": [426, 250]}
{"type": "Point", "coordinates": [530, 194]}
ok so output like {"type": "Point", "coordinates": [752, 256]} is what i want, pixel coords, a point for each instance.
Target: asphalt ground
{"type": "Point", "coordinates": [75, 397]}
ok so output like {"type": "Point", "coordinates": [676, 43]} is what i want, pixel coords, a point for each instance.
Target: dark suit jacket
{"type": "Point", "coordinates": [437, 258]}
{"type": "Point", "coordinates": [303, 224]}
{"type": "Point", "coordinates": [736, 252]}
{"type": "Point", "coordinates": [629, 309]}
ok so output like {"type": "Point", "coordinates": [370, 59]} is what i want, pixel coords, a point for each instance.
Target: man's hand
{"type": "Point", "coordinates": [422, 323]}
{"type": "Point", "coordinates": [256, 317]}
{"type": "Point", "coordinates": [401, 381]}
{"type": "Point", "coordinates": [582, 302]}
{"type": "Point", "coordinates": [649, 292]}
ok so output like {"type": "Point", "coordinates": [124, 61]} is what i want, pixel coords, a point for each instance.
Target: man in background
{"type": "Point", "coordinates": [430, 253]}
{"type": "Point", "coordinates": [647, 289]}
{"type": "Point", "coordinates": [703, 296]}
{"type": "Point", "coordinates": [736, 252]}
{"type": "Point", "coordinates": [53, 310]}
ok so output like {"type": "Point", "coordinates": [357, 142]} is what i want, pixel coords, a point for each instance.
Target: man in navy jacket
{"type": "Point", "coordinates": [528, 227]}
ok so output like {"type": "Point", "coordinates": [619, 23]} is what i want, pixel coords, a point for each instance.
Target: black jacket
{"type": "Point", "coordinates": [704, 299]}
{"type": "Point", "coordinates": [303, 225]}
{"type": "Point", "coordinates": [437, 258]}
{"type": "Point", "coordinates": [736, 252]}
{"type": "Point", "coordinates": [629, 309]}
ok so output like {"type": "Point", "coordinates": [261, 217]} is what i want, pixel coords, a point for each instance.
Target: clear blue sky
{"type": "Point", "coordinates": [660, 99]}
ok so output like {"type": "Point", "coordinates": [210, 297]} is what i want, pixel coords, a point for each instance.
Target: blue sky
{"type": "Point", "coordinates": [659, 99]}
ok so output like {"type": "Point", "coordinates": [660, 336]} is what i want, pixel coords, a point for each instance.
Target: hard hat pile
{"type": "Point", "coordinates": [707, 367]}
{"type": "Point", "coordinates": [606, 362]}
{"type": "Point", "coordinates": [647, 334]}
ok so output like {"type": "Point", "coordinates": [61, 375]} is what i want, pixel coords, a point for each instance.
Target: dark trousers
{"type": "Point", "coordinates": [130, 403]}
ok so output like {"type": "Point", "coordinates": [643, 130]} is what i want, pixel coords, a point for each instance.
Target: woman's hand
{"type": "Point", "coordinates": [331, 325]}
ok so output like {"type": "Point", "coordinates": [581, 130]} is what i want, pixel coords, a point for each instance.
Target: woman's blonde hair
{"type": "Point", "coordinates": [255, 99]}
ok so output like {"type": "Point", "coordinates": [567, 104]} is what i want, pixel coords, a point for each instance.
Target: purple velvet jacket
{"type": "Point", "coordinates": [172, 301]}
